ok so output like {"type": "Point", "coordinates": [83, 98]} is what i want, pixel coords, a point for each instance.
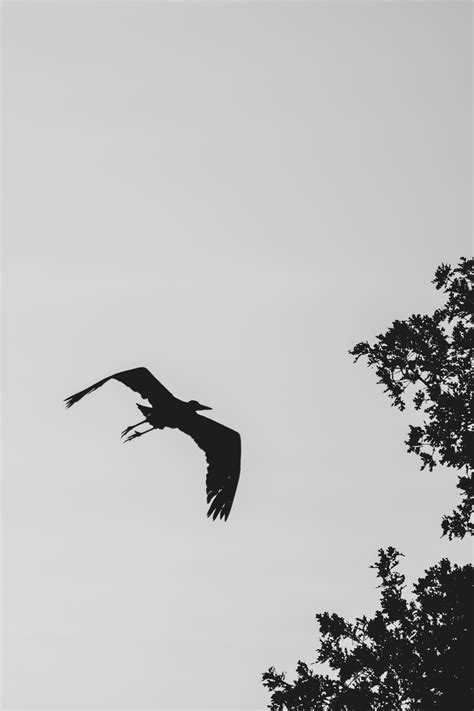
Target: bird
{"type": "Point", "coordinates": [220, 444]}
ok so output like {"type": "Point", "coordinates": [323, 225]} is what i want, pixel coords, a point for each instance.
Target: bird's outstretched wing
{"type": "Point", "coordinates": [222, 447]}
{"type": "Point", "coordinates": [138, 379]}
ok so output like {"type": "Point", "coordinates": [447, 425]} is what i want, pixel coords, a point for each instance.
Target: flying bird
{"type": "Point", "coordinates": [221, 445]}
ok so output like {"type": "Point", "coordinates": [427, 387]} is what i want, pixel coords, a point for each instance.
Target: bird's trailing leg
{"type": "Point", "coordinates": [138, 434]}
{"type": "Point", "coordinates": [129, 429]}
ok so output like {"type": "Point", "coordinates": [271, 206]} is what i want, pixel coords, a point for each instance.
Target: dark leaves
{"type": "Point", "coordinates": [427, 360]}
{"type": "Point", "coordinates": [412, 654]}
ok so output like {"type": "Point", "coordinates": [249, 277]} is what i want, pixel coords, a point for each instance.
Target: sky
{"type": "Point", "coordinates": [231, 194]}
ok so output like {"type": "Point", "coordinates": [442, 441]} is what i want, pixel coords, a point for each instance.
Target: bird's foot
{"type": "Point", "coordinates": [126, 431]}
{"type": "Point", "coordinates": [132, 436]}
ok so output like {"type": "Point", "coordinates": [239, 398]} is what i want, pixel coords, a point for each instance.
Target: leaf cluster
{"type": "Point", "coordinates": [427, 360]}
{"type": "Point", "coordinates": [412, 654]}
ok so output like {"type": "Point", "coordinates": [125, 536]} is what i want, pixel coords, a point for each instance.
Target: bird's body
{"type": "Point", "coordinates": [171, 414]}
{"type": "Point", "coordinates": [220, 444]}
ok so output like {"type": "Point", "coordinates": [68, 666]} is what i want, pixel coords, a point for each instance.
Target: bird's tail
{"type": "Point", "coordinates": [75, 398]}
{"type": "Point", "coordinates": [144, 410]}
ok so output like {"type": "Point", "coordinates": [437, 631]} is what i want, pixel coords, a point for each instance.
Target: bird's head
{"type": "Point", "coordinates": [197, 405]}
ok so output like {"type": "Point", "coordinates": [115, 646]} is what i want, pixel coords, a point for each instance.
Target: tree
{"type": "Point", "coordinates": [412, 654]}
{"type": "Point", "coordinates": [428, 359]}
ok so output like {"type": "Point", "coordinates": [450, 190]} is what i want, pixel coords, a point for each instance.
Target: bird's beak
{"type": "Point", "coordinates": [203, 407]}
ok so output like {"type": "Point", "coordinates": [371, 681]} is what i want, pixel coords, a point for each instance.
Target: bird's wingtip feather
{"type": "Point", "coordinates": [72, 399]}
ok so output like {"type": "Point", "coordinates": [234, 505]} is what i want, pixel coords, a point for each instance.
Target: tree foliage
{"type": "Point", "coordinates": [412, 654]}
{"type": "Point", "coordinates": [428, 359]}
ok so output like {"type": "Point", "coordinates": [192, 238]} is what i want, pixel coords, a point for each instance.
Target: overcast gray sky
{"type": "Point", "coordinates": [231, 194]}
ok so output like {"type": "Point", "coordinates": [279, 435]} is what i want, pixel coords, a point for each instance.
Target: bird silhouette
{"type": "Point", "coordinates": [221, 445]}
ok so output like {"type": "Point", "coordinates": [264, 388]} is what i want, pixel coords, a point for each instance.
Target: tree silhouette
{"type": "Point", "coordinates": [412, 654]}
{"type": "Point", "coordinates": [428, 359]}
